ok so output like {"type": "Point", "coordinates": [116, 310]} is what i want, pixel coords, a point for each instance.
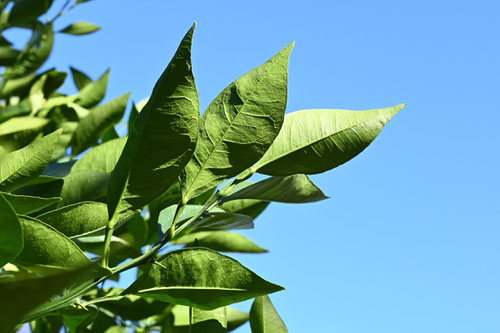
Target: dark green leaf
{"type": "Point", "coordinates": [28, 10]}
{"type": "Point", "coordinates": [314, 141]}
{"type": "Point", "coordinates": [8, 55]}
{"type": "Point", "coordinates": [252, 208]}
{"type": "Point", "coordinates": [80, 28]}
{"type": "Point", "coordinates": [77, 319]}
{"type": "Point", "coordinates": [291, 189]}
{"type": "Point", "coordinates": [264, 318]}
{"type": "Point", "coordinates": [98, 120]}
{"type": "Point", "coordinates": [120, 249]}
{"type": "Point", "coordinates": [17, 110]}
{"type": "Point", "coordinates": [223, 241]}
{"type": "Point", "coordinates": [24, 204]}
{"type": "Point", "coordinates": [109, 134]}
{"type": "Point", "coordinates": [91, 94]}
{"type": "Point", "coordinates": [163, 138]}
{"type": "Point", "coordinates": [201, 278]}
{"type": "Point", "coordinates": [11, 235]}
{"type": "Point", "coordinates": [80, 78]}
{"type": "Point", "coordinates": [23, 165]}
{"type": "Point", "coordinates": [78, 219]}
{"type": "Point", "coordinates": [238, 126]}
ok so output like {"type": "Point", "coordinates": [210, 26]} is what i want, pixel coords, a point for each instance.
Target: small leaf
{"type": "Point", "coordinates": [223, 241]}
{"type": "Point", "coordinates": [264, 317]}
{"type": "Point", "coordinates": [11, 235]}
{"type": "Point", "coordinates": [200, 278]}
{"type": "Point", "coordinates": [290, 189]}
{"type": "Point", "coordinates": [46, 249]}
{"type": "Point", "coordinates": [99, 120]}
{"type": "Point", "coordinates": [166, 216]}
{"type": "Point", "coordinates": [238, 126]}
{"type": "Point", "coordinates": [80, 78]}
{"type": "Point", "coordinates": [93, 93]}
{"type": "Point", "coordinates": [252, 208]}
{"type": "Point", "coordinates": [28, 10]}
{"type": "Point", "coordinates": [163, 138]}
{"type": "Point", "coordinates": [78, 219]}
{"type": "Point", "coordinates": [23, 165]}
{"type": "Point", "coordinates": [234, 318]}
{"type": "Point", "coordinates": [220, 221]}
{"type": "Point", "coordinates": [80, 28]}
{"type": "Point", "coordinates": [24, 204]}
{"type": "Point", "coordinates": [314, 141]}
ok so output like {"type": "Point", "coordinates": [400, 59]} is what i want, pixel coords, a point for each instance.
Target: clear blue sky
{"type": "Point", "coordinates": [409, 241]}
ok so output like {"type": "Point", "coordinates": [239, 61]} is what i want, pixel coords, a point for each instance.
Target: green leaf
{"type": "Point", "coordinates": [35, 56]}
{"type": "Point", "coordinates": [290, 189]}
{"type": "Point", "coordinates": [93, 93]}
{"type": "Point", "coordinates": [46, 249]}
{"type": "Point", "coordinates": [238, 126]}
{"type": "Point", "coordinates": [8, 55]}
{"type": "Point", "coordinates": [77, 319]}
{"type": "Point", "coordinates": [80, 28]}
{"type": "Point", "coordinates": [200, 278]}
{"type": "Point", "coordinates": [80, 78]}
{"type": "Point", "coordinates": [219, 221]}
{"type": "Point", "coordinates": [234, 318]}
{"type": "Point", "coordinates": [89, 176]}
{"type": "Point", "coordinates": [17, 132]}
{"type": "Point", "coordinates": [19, 296]}
{"type": "Point", "coordinates": [18, 86]}
{"type": "Point", "coordinates": [252, 208]}
{"type": "Point", "coordinates": [66, 118]}
{"type": "Point", "coordinates": [109, 134]}
{"type": "Point", "coordinates": [24, 204]}
{"type": "Point", "coordinates": [17, 110]}
{"type": "Point", "coordinates": [78, 219]}
{"type": "Point", "coordinates": [223, 241]}
{"type": "Point", "coordinates": [23, 165]}
{"type": "Point", "coordinates": [264, 318]}
{"type": "Point", "coordinates": [314, 141]}
{"type": "Point", "coordinates": [11, 235]}
{"type": "Point", "coordinates": [163, 139]}
{"type": "Point", "coordinates": [120, 249]}
{"type": "Point", "coordinates": [166, 216]}
{"type": "Point", "coordinates": [28, 10]}
{"type": "Point", "coordinates": [97, 122]}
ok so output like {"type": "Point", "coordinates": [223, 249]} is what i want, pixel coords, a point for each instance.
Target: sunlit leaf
{"type": "Point", "coordinates": [264, 318]}
{"type": "Point", "coordinates": [11, 235]}
{"type": "Point", "coordinates": [80, 28]}
{"type": "Point", "coordinates": [223, 241]}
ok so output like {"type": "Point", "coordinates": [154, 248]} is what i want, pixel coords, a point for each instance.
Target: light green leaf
{"type": "Point", "coordinates": [46, 249]}
{"type": "Point", "coordinates": [314, 141]}
{"type": "Point", "coordinates": [19, 296]}
{"type": "Point", "coordinates": [17, 110]}
{"type": "Point", "coordinates": [18, 86]}
{"type": "Point", "coordinates": [28, 10]}
{"type": "Point", "coordinates": [264, 318]}
{"type": "Point", "coordinates": [218, 221]}
{"type": "Point", "coordinates": [80, 28]}
{"type": "Point", "coordinates": [23, 165]}
{"type": "Point", "coordinates": [93, 93]}
{"type": "Point", "coordinates": [238, 126]}
{"type": "Point", "coordinates": [234, 318]}
{"type": "Point", "coordinates": [252, 208]}
{"type": "Point", "coordinates": [163, 138]}
{"type": "Point", "coordinates": [17, 132]}
{"type": "Point", "coordinates": [8, 55]}
{"type": "Point", "coordinates": [11, 235]}
{"type": "Point", "coordinates": [223, 241]}
{"type": "Point", "coordinates": [97, 122]}
{"type": "Point", "coordinates": [24, 204]}
{"type": "Point", "coordinates": [78, 219]}
{"type": "Point", "coordinates": [166, 216]}
{"type": "Point", "coordinates": [80, 78]}
{"type": "Point", "coordinates": [200, 278]}
{"type": "Point", "coordinates": [291, 189]}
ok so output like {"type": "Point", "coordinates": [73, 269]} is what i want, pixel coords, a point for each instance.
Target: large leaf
{"type": "Point", "coordinates": [25, 204]}
{"type": "Point", "coordinates": [89, 176]}
{"type": "Point", "coordinates": [11, 235]}
{"type": "Point", "coordinates": [91, 94]}
{"type": "Point", "coordinates": [200, 278]}
{"type": "Point", "coordinates": [264, 318]}
{"type": "Point", "coordinates": [291, 189]}
{"type": "Point", "coordinates": [223, 241]}
{"type": "Point", "coordinates": [314, 141]}
{"type": "Point", "coordinates": [234, 319]}
{"type": "Point", "coordinates": [77, 219]}
{"type": "Point", "coordinates": [163, 138]}
{"type": "Point", "coordinates": [238, 126]}
{"type": "Point", "coordinates": [80, 28]}
{"type": "Point", "coordinates": [252, 208]}
{"type": "Point", "coordinates": [98, 120]}
{"type": "Point", "coordinates": [28, 10]}
{"type": "Point", "coordinates": [19, 296]}
{"type": "Point", "coordinates": [17, 132]}
{"type": "Point", "coordinates": [46, 249]}
{"type": "Point", "coordinates": [23, 165]}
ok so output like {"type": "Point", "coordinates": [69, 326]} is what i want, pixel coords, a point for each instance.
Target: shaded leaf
{"type": "Point", "coordinates": [252, 208]}
{"type": "Point", "coordinates": [201, 278]}
{"type": "Point", "coordinates": [223, 241]}
{"type": "Point", "coordinates": [264, 318]}
{"type": "Point", "coordinates": [80, 78]}
{"type": "Point", "coordinates": [120, 249]}
{"type": "Point", "coordinates": [17, 132]}
{"type": "Point", "coordinates": [166, 216]}
{"type": "Point", "coordinates": [24, 204]}
{"type": "Point", "coordinates": [8, 55]}
{"type": "Point", "coordinates": [11, 235]}
{"type": "Point", "coordinates": [80, 28]}
{"type": "Point", "coordinates": [234, 318]}
{"type": "Point", "coordinates": [28, 10]}
{"type": "Point", "coordinates": [314, 141]}
{"type": "Point", "coordinates": [91, 94]}
{"type": "Point", "coordinates": [218, 221]}
{"type": "Point", "coordinates": [238, 126]}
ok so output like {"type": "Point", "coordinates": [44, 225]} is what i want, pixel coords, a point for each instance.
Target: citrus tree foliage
{"type": "Point", "coordinates": [80, 204]}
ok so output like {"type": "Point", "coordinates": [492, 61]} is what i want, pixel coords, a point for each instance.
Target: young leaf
{"type": "Point", "coordinates": [80, 78]}
{"type": "Point", "coordinates": [290, 189]}
{"type": "Point", "coordinates": [223, 241]}
{"type": "Point", "coordinates": [314, 141]}
{"type": "Point", "coordinates": [80, 28]}
{"type": "Point", "coordinates": [252, 208]}
{"type": "Point", "coordinates": [264, 318]}
{"type": "Point", "coordinates": [25, 204]}
{"type": "Point", "coordinates": [163, 138]}
{"type": "Point", "coordinates": [46, 249]}
{"type": "Point", "coordinates": [93, 93]}
{"type": "Point", "coordinates": [11, 235]}
{"type": "Point", "coordinates": [238, 126]}
{"type": "Point", "coordinates": [78, 219]}
{"type": "Point", "coordinates": [28, 10]}
{"type": "Point", "coordinates": [23, 165]}
{"type": "Point", "coordinates": [98, 120]}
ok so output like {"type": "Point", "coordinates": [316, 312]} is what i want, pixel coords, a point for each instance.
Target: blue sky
{"type": "Point", "coordinates": [408, 241]}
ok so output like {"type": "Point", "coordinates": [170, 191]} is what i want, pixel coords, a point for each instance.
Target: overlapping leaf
{"type": "Point", "coordinates": [25, 204]}
{"type": "Point", "coordinates": [223, 241]}
{"type": "Point", "coordinates": [11, 234]}
{"type": "Point", "coordinates": [264, 318]}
